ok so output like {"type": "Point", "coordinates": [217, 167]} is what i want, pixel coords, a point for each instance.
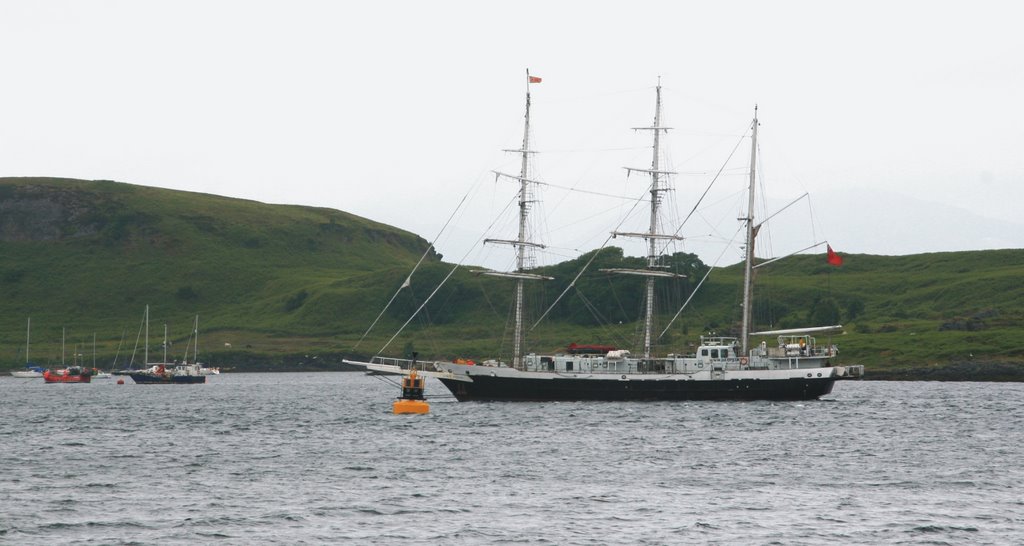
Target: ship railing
{"type": "Point", "coordinates": [793, 352]}
{"type": "Point", "coordinates": [404, 363]}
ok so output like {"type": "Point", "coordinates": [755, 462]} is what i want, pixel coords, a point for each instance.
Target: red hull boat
{"type": "Point", "coordinates": [68, 375]}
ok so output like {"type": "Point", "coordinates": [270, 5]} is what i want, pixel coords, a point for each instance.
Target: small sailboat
{"type": "Point", "coordinates": [31, 370]}
{"type": "Point", "coordinates": [720, 367]}
{"type": "Point", "coordinates": [203, 369]}
{"type": "Point", "coordinates": [96, 372]}
{"type": "Point", "coordinates": [164, 373]}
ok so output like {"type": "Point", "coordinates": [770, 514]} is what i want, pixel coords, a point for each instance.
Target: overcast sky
{"type": "Point", "coordinates": [903, 120]}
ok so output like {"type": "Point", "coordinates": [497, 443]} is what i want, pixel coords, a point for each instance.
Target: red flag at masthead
{"type": "Point", "coordinates": [833, 258]}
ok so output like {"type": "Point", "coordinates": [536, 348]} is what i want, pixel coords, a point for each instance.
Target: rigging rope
{"type": "Point", "coordinates": [592, 258]}
{"type": "Point", "coordinates": [697, 288]}
{"type": "Point", "coordinates": [706, 190]}
{"type": "Point", "coordinates": [408, 279]}
{"type": "Point", "coordinates": [450, 273]}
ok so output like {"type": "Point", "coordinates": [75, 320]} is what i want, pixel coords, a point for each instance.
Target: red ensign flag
{"type": "Point", "coordinates": [534, 79]}
{"type": "Point", "coordinates": [834, 258]}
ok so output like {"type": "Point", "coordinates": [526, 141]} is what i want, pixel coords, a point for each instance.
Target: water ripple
{"type": "Point", "coordinates": [318, 458]}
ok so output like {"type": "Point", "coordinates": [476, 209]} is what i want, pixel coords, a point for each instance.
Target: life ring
{"type": "Point", "coordinates": [743, 360]}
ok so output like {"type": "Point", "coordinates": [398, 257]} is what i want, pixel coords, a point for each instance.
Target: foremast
{"type": "Point", "coordinates": [748, 269]}
{"type": "Point", "coordinates": [658, 186]}
{"type": "Point", "coordinates": [522, 243]}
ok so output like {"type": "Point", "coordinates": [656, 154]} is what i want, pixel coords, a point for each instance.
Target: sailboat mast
{"type": "Point", "coordinates": [146, 351]}
{"type": "Point", "coordinates": [195, 350]}
{"type": "Point", "coordinates": [748, 270]}
{"type": "Point", "coordinates": [165, 343]}
{"type": "Point", "coordinates": [524, 204]}
{"type": "Point", "coordinates": [28, 339]}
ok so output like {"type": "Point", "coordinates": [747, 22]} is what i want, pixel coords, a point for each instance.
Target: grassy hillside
{"type": "Point", "coordinates": [88, 256]}
{"type": "Point", "coordinates": [280, 284]}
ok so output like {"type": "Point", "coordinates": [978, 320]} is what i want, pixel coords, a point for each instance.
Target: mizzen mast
{"type": "Point", "coordinates": [658, 185]}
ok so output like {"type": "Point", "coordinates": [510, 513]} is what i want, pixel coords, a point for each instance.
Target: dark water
{"type": "Point", "coordinates": [318, 458]}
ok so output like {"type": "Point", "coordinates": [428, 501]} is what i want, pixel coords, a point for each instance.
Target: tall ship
{"type": "Point", "coordinates": [794, 366]}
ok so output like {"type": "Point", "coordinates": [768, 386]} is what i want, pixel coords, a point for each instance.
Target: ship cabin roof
{"type": "Point", "coordinates": [718, 348]}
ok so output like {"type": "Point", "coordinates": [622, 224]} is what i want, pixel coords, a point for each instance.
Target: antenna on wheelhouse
{"type": "Point", "coordinates": [522, 243]}
{"type": "Point", "coordinates": [651, 236]}
{"type": "Point", "coordinates": [748, 269]}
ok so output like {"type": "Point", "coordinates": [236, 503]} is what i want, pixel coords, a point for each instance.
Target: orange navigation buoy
{"type": "Point", "coordinates": [120, 381]}
{"type": "Point", "coordinates": [411, 401]}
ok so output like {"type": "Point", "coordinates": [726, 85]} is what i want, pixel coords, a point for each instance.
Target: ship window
{"type": "Point", "coordinates": [703, 352]}
{"type": "Point", "coordinates": [714, 353]}
{"type": "Point", "coordinates": [568, 365]}
{"type": "Point", "coordinates": [551, 365]}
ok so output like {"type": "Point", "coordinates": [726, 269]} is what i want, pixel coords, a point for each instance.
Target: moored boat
{"type": "Point", "coordinates": [31, 371]}
{"type": "Point", "coordinates": [71, 374]}
{"type": "Point", "coordinates": [170, 373]}
{"type": "Point", "coordinates": [795, 367]}
{"type": "Point", "coordinates": [167, 374]}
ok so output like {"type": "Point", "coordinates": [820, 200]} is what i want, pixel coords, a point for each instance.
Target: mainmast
{"type": "Point", "coordinates": [652, 236]}
{"type": "Point", "coordinates": [748, 270]}
{"type": "Point", "coordinates": [522, 243]}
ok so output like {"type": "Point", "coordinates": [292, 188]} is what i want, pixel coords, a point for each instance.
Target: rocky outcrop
{"type": "Point", "coordinates": [33, 213]}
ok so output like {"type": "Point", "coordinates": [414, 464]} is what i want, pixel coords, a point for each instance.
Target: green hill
{"type": "Point", "coordinates": [281, 286]}
{"type": "Point", "coordinates": [89, 255]}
